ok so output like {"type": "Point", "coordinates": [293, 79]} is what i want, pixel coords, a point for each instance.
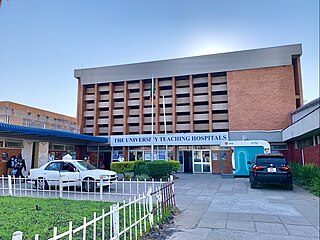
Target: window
{"type": "Point", "coordinates": [277, 147]}
{"type": "Point", "coordinates": [13, 144]}
{"type": "Point", "coordinates": [317, 139]}
{"type": "Point", "coordinates": [54, 166]}
{"type": "Point", "coordinates": [305, 142]}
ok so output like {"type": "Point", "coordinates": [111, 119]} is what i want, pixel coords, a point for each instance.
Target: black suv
{"type": "Point", "coordinates": [270, 169]}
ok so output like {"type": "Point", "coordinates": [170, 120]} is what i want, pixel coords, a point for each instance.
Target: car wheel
{"type": "Point", "coordinates": [289, 186]}
{"type": "Point", "coordinates": [42, 184]}
{"type": "Point", "coordinates": [254, 185]}
{"type": "Point", "coordinates": [88, 185]}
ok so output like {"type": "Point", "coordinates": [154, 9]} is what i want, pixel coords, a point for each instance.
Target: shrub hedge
{"type": "Point", "coordinates": [307, 176]}
{"type": "Point", "coordinates": [175, 165]}
{"type": "Point", "coordinates": [122, 167]}
{"type": "Point", "coordinates": [153, 169]}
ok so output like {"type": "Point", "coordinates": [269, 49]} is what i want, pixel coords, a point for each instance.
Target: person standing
{"type": "Point", "coordinates": [19, 166]}
{"type": "Point", "coordinates": [10, 165]}
{"type": "Point", "coordinates": [121, 158]}
{"type": "Point", "coordinates": [67, 156]}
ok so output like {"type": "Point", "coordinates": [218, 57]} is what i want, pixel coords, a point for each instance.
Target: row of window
{"type": "Point", "coordinates": [310, 141]}
{"type": "Point", "coordinates": [7, 143]}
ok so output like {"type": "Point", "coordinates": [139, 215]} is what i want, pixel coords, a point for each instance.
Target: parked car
{"type": "Point", "coordinates": [270, 169]}
{"type": "Point", "coordinates": [73, 173]}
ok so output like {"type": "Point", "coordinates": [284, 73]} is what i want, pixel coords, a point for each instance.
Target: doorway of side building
{"type": "Point", "coordinates": [185, 159]}
{"type": "Point", "coordinates": [104, 160]}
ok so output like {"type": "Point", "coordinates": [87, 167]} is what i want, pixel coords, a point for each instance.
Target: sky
{"type": "Point", "coordinates": [42, 42]}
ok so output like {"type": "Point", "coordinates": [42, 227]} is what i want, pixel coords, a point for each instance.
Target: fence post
{"type": "Point", "coordinates": [10, 185]}
{"type": "Point", "coordinates": [150, 206]}
{"type": "Point", "coordinates": [115, 221]}
{"type": "Point", "coordinates": [60, 186]}
{"type": "Point", "coordinates": [172, 191]}
{"type": "Point", "coordinates": [17, 235]}
{"type": "Point", "coordinates": [101, 188]}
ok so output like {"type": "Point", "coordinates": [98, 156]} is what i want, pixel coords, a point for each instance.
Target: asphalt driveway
{"type": "Point", "coordinates": [215, 208]}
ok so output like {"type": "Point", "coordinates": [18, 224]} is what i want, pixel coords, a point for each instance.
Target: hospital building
{"type": "Point", "coordinates": [198, 102]}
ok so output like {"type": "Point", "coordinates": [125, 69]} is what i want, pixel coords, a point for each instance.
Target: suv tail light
{"type": "Point", "coordinates": [285, 168]}
{"type": "Point", "coordinates": [257, 168]}
{"type": "Point", "coordinates": [28, 173]}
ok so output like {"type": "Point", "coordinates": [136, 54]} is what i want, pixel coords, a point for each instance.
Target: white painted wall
{"type": "Point", "coordinates": [43, 153]}
{"type": "Point", "coordinates": [27, 152]}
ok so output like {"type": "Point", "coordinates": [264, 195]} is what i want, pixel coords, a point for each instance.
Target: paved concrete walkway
{"type": "Point", "coordinates": [215, 208]}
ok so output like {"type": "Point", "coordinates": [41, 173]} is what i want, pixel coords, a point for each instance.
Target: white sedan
{"type": "Point", "coordinates": [72, 173]}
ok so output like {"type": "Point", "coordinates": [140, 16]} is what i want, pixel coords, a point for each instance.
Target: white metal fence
{"type": "Point", "coordinates": [143, 204]}
{"type": "Point", "coordinates": [64, 188]}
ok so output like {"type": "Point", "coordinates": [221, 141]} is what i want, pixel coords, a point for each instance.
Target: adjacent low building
{"type": "Point", "coordinates": [40, 135]}
{"type": "Point", "coordinates": [303, 135]}
{"type": "Point", "coordinates": [205, 99]}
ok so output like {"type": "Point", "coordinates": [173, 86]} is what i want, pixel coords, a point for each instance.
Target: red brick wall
{"type": "Point", "coordinates": [311, 154]}
{"type": "Point", "coordinates": [226, 164]}
{"type": "Point", "coordinates": [260, 99]}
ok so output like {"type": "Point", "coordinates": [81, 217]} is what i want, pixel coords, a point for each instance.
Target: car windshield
{"type": "Point", "coordinates": [84, 166]}
{"type": "Point", "coordinates": [276, 161]}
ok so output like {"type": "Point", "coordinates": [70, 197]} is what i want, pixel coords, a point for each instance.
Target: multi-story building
{"type": "Point", "coordinates": [22, 115]}
{"type": "Point", "coordinates": [206, 99]}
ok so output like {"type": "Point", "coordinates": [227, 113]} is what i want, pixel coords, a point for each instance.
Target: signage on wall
{"type": "Point", "coordinates": [170, 139]}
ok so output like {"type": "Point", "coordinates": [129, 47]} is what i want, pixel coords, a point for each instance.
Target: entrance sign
{"type": "Point", "coordinates": [170, 139]}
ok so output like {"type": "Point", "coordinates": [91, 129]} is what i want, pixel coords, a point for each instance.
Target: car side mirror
{"type": "Point", "coordinates": [249, 162]}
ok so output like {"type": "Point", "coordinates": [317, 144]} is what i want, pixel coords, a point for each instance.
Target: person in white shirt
{"type": "Point", "coordinates": [67, 157]}
{"type": "Point", "coordinates": [121, 158]}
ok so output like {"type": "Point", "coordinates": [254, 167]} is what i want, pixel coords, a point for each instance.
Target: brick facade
{"type": "Point", "coordinates": [260, 99]}
{"type": "Point", "coordinates": [311, 154]}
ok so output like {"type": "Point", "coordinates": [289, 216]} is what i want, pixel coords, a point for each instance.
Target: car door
{"type": "Point", "coordinates": [52, 173]}
{"type": "Point", "coordinates": [70, 174]}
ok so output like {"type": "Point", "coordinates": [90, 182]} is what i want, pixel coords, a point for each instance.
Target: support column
{"type": "Point", "coordinates": [299, 81]}
{"type": "Point", "coordinates": [174, 104]}
{"type": "Point", "coordinates": [157, 102]}
{"type": "Point", "coordinates": [210, 101]}
{"type": "Point", "coordinates": [174, 153]}
{"type": "Point", "coordinates": [191, 104]}
{"type": "Point", "coordinates": [125, 109]}
{"type": "Point", "coordinates": [125, 153]}
{"type": "Point", "coordinates": [96, 111]}
{"type": "Point", "coordinates": [111, 104]}
{"type": "Point", "coordinates": [80, 108]}
{"type": "Point", "coordinates": [141, 107]}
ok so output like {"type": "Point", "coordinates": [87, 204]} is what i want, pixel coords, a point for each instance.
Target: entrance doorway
{"type": "Point", "coordinates": [185, 159]}
{"type": "Point", "coordinates": [105, 160]}
{"type": "Point", "coordinates": [201, 161]}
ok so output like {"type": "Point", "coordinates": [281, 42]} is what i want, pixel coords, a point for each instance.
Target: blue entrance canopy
{"type": "Point", "coordinates": [16, 131]}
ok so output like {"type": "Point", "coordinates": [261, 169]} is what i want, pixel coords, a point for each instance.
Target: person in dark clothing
{"type": "Point", "coordinates": [20, 164]}
{"type": "Point", "coordinates": [10, 165]}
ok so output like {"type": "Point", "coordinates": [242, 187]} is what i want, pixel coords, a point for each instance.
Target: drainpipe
{"type": "Point", "coordinates": [302, 157]}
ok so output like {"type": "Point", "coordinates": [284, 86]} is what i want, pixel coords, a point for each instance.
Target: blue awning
{"type": "Point", "coordinates": [16, 131]}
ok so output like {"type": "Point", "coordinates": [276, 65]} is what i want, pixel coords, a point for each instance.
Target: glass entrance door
{"type": "Point", "coordinates": [201, 161]}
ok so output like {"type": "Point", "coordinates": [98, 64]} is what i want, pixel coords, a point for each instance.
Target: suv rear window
{"type": "Point", "coordinates": [265, 161]}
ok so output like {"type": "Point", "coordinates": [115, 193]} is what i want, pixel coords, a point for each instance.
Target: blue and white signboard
{"type": "Point", "coordinates": [170, 139]}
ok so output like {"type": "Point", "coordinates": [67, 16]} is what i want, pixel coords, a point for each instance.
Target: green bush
{"type": "Point", "coordinates": [307, 176]}
{"type": "Point", "coordinates": [122, 167]}
{"type": "Point", "coordinates": [175, 165]}
{"type": "Point", "coordinates": [159, 169]}
{"type": "Point", "coordinates": [143, 177]}
{"type": "Point", "coordinates": [140, 167]}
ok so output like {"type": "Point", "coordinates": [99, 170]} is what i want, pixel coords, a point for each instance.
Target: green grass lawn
{"type": "Point", "coordinates": [40, 215]}
{"type": "Point", "coordinates": [21, 214]}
